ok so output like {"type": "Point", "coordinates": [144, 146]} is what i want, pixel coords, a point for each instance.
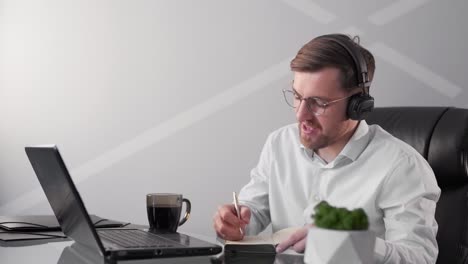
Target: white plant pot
{"type": "Point", "coordinates": [335, 246]}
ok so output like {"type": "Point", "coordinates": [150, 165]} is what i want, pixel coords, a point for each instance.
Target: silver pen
{"type": "Point", "coordinates": [236, 206]}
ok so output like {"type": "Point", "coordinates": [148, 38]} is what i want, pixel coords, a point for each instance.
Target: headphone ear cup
{"type": "Point", "coordinates": [359, 106]}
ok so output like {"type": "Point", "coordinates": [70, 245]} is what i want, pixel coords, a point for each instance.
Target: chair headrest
{"type": "Point", "coordinates": [439, 134]}
{"type": "Point", "coordinates": [448, 151]}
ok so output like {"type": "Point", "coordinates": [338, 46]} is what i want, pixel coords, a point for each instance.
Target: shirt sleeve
{"type": "Point", "coordinates": [408, 200]}
{"type": "Point", "coordinates": [255, 194]}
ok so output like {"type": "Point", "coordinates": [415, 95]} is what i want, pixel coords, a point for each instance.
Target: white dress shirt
{"type": "Point", "coordinates": [375, 171]}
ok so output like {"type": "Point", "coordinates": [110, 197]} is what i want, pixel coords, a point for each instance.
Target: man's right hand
{"type": "Point", "coordinates": [226, 223]}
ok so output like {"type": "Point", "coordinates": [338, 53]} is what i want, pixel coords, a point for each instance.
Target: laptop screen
{"type": "Point", "coordinates": [63, 195]}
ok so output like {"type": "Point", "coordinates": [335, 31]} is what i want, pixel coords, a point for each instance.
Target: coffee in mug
{"type": "Point", "coordinates": [164, 211]}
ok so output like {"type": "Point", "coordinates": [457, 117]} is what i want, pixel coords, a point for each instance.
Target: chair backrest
{"type": "Point", "coordinates": [440, 134]}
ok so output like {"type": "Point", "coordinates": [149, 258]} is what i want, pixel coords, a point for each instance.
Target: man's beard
{"type": "Point", "coordinates": [313, 142]}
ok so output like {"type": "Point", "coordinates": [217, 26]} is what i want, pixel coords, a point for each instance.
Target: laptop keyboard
{"type": "Point", "coordinates": [134, 238]}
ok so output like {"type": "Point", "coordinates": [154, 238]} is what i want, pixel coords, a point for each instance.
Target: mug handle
{"type": "Point", "coordinates": [188, 207]}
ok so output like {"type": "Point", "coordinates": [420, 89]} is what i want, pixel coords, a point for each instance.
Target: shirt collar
{"type": "Point", "coordinates": [355, 146]}
{"type": "Point", "coordinates": [357, 143]}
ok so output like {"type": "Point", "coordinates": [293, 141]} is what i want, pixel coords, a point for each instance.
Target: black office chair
{"type": "Point", "coordinates": [440, 134]}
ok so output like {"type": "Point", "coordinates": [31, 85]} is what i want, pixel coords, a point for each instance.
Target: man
{"type": "Point", "coordinates": [329, 156]}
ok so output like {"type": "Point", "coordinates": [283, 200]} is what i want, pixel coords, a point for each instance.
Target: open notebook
{"type": "Point", "coordinates": [47, 223]}
{"type": "Point", "coordinates": [261, 244]}
{"type": "Point", "coordinates": [23, 229]}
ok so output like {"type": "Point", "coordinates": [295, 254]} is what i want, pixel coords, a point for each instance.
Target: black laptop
{"type": "Point", "coordinates": [113, 243]}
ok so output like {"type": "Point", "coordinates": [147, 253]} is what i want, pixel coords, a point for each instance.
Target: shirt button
{"type": "Point", "coordinates": [317, 198]}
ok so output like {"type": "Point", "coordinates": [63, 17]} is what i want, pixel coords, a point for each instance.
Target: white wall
{"type": "Point", "coordinates": [179, 96]}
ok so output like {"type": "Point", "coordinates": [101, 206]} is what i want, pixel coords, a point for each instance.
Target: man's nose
{"type": "Point", "coordinates": [302, 112]}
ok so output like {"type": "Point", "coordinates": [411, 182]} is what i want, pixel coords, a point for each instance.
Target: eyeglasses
{"type": "Point", "coordinates": [313, 104]}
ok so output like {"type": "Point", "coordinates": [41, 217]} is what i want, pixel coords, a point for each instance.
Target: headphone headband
{"type": "Point", "coordinates": [360, 64]}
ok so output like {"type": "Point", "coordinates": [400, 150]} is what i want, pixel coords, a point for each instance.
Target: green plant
{"type": "Point", "coordinates": [330, 217]}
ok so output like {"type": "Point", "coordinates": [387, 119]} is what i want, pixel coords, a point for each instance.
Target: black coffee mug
{"type": "Point", "coordinates": [164, 211]}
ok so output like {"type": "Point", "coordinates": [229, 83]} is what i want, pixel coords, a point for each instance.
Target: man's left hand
{"type": "Point", "coordinates": [297, 241]}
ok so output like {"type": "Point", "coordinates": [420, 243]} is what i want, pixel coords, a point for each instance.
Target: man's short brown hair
{"type": "Point", "coordinates": [320, 53]}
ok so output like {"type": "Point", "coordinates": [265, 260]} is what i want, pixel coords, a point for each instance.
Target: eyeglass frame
{"type": "Point", "coordinates": [323, 105]}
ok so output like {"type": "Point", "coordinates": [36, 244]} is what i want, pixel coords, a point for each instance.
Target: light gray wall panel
{"type": "Point", "coordinates": [179, 96]}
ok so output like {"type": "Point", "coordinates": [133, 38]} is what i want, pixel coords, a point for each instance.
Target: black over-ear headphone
{"type": "Point", "coordinates": [359, 105]}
